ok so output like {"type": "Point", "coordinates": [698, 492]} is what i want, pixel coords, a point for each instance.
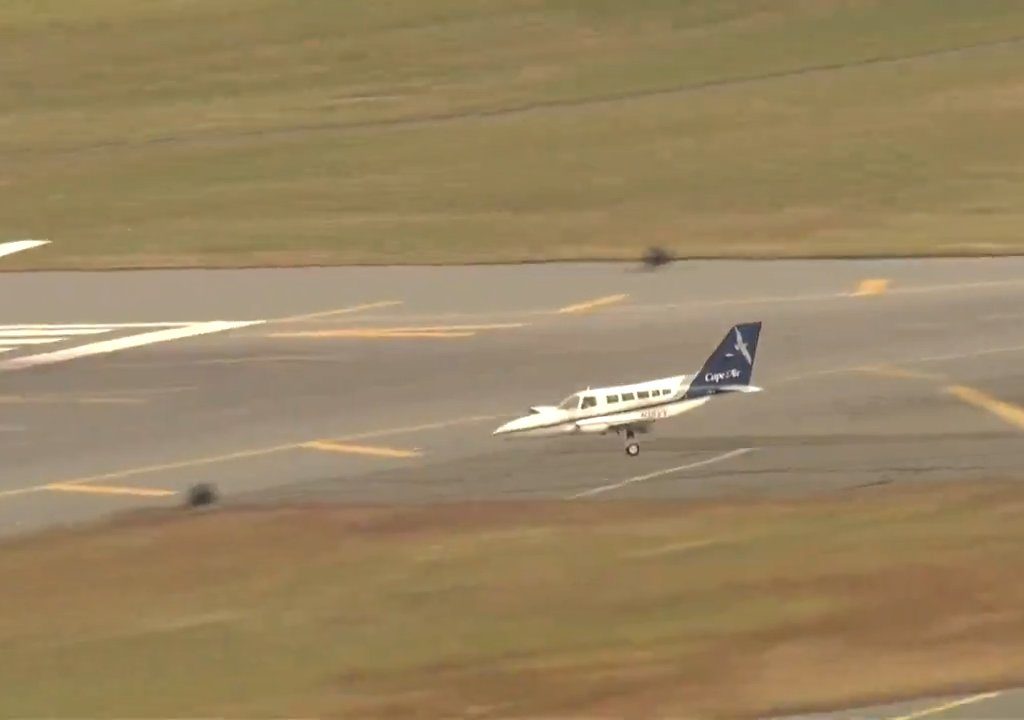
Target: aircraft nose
{"type": "Point", "coordinates": [504, 429]}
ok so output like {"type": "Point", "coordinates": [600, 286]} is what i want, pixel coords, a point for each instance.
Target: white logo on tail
{"type": "Point", "coordinates": [717, 377]}
{"type": "Point", "coordinates": [741, 346]}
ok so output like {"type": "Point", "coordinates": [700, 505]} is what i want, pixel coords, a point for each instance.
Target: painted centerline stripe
{"type": "Point", "coordinates": [368, 333]}
{"type": "Point", "coordinates": [244, 454]}
{"type": "Point", "coordinates": [374, 450]}
{"type": "Point", "coordinates": [445, 328]}
{"type": "Point", "coordinates": [338, 311]}
{"type": "Point", "coordinates": [404, 331]}
{"type": "Point", "coordinates": [659, 473]}
{"type": "Point", "coordinates": [109, 490]}
{"type": "Point", "coordinates": [82, 400]}
{"type": "Point", "coordinates": [592, 304]}
{"type": "Point", "coordinates": [891, 371]}
{"type": "Point", "coordinates": [407, 334]}
{"type": "Point", "coordinates": [973, 353]}
{"type": "Point", "coordinates": [821, 297]}
{"type": "Point", "coordinates": [14, 492]}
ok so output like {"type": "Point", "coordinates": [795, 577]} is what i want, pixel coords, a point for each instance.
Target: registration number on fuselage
{"type": "Point", "coordinates": [654, 414]}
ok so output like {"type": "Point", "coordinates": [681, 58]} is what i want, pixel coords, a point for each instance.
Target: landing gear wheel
{"type": "Point", "coordinates": [633, 449]}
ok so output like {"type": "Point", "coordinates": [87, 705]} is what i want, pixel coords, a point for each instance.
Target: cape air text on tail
{"type": "Point", "coordinates": [635, 407]}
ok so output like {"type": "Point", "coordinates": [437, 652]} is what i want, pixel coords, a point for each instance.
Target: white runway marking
{"type": "Point", "coordinates": [95, 326]}
{"type": "Point", "coordinates": [659, 473]}
{"type": "Point", "coordinates": [14, 246]}
{"type": "Point", "coordinates": [7, 331]}
{"type": "Point", "coordinates": [14, 336]}
{"type": "Point", "coordinates": [123, 343]}
{"type": "Point", "coordinates": [29, 340]}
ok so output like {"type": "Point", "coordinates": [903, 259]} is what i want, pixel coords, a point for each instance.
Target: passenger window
{"type": "Point", "coordinates": [642, 395]}
{"type": "Point", "coordinates": [655, 393]}
{"type": "Point", "coordinates": [612, 399]}
{"type": "Point", "coordinates": [627, 396]}
{"type": "Point", "coordinates": [589, 401]}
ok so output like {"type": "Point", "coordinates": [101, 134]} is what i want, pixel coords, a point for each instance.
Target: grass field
{"type": "Point", "coordinates": [518, 610]}
{"type": "Point", "coordinates": [186, 132]}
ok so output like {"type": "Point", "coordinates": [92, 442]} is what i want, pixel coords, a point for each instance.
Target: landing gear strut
{"type": "Point", "coordinates": [632, 448]}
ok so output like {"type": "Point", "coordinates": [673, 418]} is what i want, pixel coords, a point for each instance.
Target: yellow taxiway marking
{"type": "Point", "coordinates": [374, 450]}
{"type": "Point", "coordinates": [1007, 412]}
{"type": "Point", "coordinates": [242, 455]}
{"type": "Point", "coordinates": [425, 331]}
{"type": "Point", "coordinates": [947, 706]}
{"type": "Point", "coordinates": [339, 311]}
{"type": "Point", "coordinates": [872, 286]}
{"type": "Point", "coordinates": [109, 490]}
{"type": "Point", "coordinates": [592, 304]}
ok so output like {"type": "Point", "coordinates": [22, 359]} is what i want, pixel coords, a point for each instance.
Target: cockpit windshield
{"type": "Point", "coordinates": [570, 403]}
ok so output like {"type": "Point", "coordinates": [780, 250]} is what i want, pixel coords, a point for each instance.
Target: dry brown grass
{"type": "Point", "coordinates": [249, 132]}
{"type": "Point", "coordinates": [529, 609]}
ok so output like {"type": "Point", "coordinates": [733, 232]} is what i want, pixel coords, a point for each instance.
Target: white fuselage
{"type": "Point", "coordinates": [597, 410]}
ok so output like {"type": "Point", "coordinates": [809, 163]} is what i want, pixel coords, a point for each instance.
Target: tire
{"type": "Point", "coordinates": [633, 449]}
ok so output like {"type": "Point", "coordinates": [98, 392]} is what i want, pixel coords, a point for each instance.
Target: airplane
{"type": "Point", "coordinates": [635, 407]}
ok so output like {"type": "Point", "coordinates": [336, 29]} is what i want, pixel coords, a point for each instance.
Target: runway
{"type": "Point", "coordinates": [121, 390]}
{"type": "Point", "coordinates": [383, 385]}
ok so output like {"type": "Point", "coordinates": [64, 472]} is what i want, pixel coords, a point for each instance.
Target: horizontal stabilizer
{"type": "Point", "coordinates": [740, 388]}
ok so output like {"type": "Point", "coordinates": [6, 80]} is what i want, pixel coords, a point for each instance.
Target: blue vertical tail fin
{"type": "Point", "coordinates": [731, 366]}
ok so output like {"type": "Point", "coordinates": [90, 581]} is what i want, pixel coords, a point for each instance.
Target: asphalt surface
{"type": "Point", "coordinates": [236, 407]}
{"type": "Point", "coordinates": [918, 380]}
